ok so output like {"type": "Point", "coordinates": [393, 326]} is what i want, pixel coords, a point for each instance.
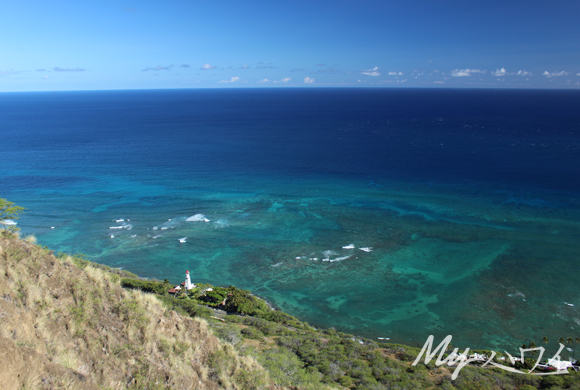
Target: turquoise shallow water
{"type": "Point", "coordinates": [356, 241]}
{"type": "Point", "coordinates": [492, 269]}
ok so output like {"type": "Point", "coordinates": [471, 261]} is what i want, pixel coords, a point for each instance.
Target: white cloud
{"type": "Point", "coordinates": [232, 80]}
{"type": "Point", "coordinates": [57, 69]}
{"type": "Point", "coordinates": [207, 67]}
{"type": "Point", "coordinates": [499, 72]}
{"type": "Point", "coordinates": [465, 72]}
{"type": "Point", "coordinates": [245, 66]}
{"type": "Point", "coordinates": [555, 74]}
{"type": "Point", "coordinates": [308, 80]}
{"type": "Point", "coordinates": [158, 67]}
{"type": "Point", "coordinates": [264, 81]}
{"type": "Point", "coordinates": [371, 72]}
{"type": "Point", "coordinates": [395, 73]}
{"type": "Point", "coordinates": [46, 77]}
{"type": "Point", "coordinates": [524, 73]}
{"type": "Point", "coordinates": [437, 82]}
{"type": "Point", "coordinates": [284, 80]}
{"type": "Point", "coordinates": [8, 72]}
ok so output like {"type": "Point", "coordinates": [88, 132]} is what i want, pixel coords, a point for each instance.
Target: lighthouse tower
{"type": "Point", "coordinates": [188, 285]}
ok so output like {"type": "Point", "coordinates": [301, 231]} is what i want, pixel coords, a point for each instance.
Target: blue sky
{"type": "Point", "coordinates": [64, 45]}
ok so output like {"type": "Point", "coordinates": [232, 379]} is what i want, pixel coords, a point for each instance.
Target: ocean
{"type": "Point", "coordinates": [396, 213]}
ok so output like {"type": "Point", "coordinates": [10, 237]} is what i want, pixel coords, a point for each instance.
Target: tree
{"type": "Point", "coordinates": [561, 340]}
{"type": "Point", "coordinates": [545, 340]}
{"type": "Point", "coordinates": [570, 340]}
{"type": "Point", "coordinates": [8, 211]}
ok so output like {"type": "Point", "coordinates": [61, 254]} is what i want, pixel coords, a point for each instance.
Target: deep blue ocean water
{"type": "Point", "coordinates": [465, 202]}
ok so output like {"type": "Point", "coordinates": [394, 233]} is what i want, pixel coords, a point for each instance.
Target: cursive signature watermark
{"type": "Point", "coordinates": [464, 358]}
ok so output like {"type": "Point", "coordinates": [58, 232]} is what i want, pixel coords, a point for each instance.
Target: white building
{"type": "Point", "coordinates": [188, 285]}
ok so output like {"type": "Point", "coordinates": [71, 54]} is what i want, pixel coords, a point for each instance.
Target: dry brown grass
{"type": "Point", "coordinates": [80, 329]}
{"type": "Point", "coordinates": [31, 239]}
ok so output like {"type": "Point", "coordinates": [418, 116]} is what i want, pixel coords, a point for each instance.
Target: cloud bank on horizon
{"type": "Point", "coordinates": [263, 44]}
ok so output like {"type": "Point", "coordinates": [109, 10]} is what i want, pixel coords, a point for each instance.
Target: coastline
{"type": "Point", "coordinates": [320, 358]}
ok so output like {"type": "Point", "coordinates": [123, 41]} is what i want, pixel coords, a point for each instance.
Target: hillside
{"type": "Point", "coordinates": [66, 327]}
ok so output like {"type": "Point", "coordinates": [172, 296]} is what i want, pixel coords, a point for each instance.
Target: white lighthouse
{"type": "Point", "coordinates": [188, 285]}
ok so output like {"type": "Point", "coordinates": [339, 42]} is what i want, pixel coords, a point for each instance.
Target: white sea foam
{"type": "Point", "coordinates": [127, 226]}
{"type": "Point", "coordinates": [119, 220]}
{"type": "Point", "coordinates": [340, 258]}
{"type": "Point", "coordinates": [313, 258]}
{"type": "Point", "coordinates": [112, 236]}
{"type": "Point", "coordinates": [182, 240]}
{"type": "Point", "coordinates": [350, 246]}
{"type": "Point", "coordinates": [277, 264]}
{"type": "Point", "coordinates": [221, 223]}
{"type": "Point", "coordinates": [329, 253]}
{"type": "Point", "coordinates": [366, 249]}
{"type": "Point", "coordinates": [197, 218]}
{"type": "Point", "coordinates": [170, 224]}
{"type": "Point", "coordinates": [8, 222]}
{"type": "Point", "coordinates": [517, 294]}
{"type": "Point", "coordinates": [569, 304]}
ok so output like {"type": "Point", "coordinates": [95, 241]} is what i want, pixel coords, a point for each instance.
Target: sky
{"type": "Point", "coordinates": [101, 45]}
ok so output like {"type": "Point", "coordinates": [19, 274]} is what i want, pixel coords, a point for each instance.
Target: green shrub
{"type": "Point", "coordinates": [147, 286]}
{"type": "Point", "coordinates": [528, 387]}
{"type": "Point", "coordinates": [214, 296]}
{"type": "Point", "coordinates": [346, 381]}
{"type": "Point", "coordinates": [252, 333]}
{"type": "Point", "coordinates": [187, 306]}
{"type": "Point", "coordinates": [228, 333]}
{"type": "Point", "coordinates": [8, 210]}
{"type": "Point", "coordinates": [287, 370]}
{"type": "Point", "coordinates": [243, 302]}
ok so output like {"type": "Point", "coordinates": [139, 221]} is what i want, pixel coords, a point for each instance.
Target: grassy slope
{"type": "Point", "coordinates": [66, 327]}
